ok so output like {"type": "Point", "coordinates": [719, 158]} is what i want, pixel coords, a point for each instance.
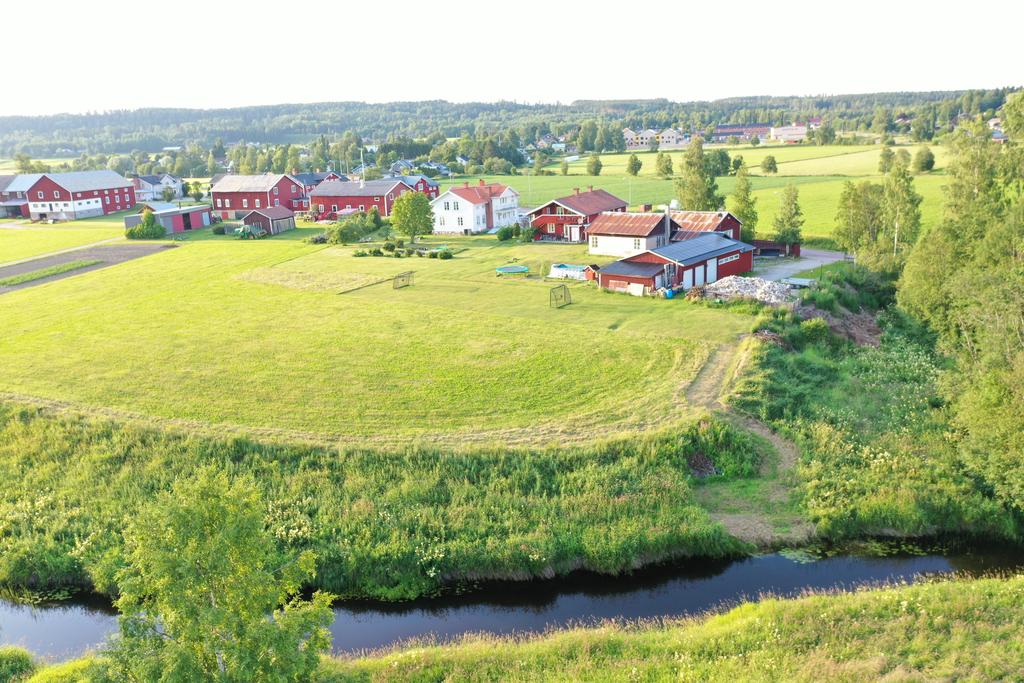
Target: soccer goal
{"type": "Point", "coordinates": [403, 280]}
{"type": "Point", "coordinates": [559, 296]}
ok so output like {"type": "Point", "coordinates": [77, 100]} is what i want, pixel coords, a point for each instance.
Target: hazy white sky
{"type": "Point", "coordinates": [83, 55]}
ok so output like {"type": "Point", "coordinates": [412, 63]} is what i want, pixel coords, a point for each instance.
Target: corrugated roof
{"type": "Point", "coordinates": [249, 183]}
{"type": "Point", "coordinates": [699, 221]}
{"type": "Point", "coordinates": [700, 248]}
{"type": "Point", "coordinates": [634, 268]}
{"type": "Point", "coordinates": [411, 180]}
{"type": "Point", "coordinates": [342, 188]}
{"type": "Point", "coordinates": [156, 207]}
{"type": "Point", "coordinates": [591, 202]}
{"type": "Point", "coordinates": [82, 181]}
{"type": "Point", "coordinates": [624, 224]}
{"type": "Point", "coordinates": [23, 182]}
{"type": "Point", "coordinates": [480, 194]}
{"type": "Point", "coordinates": [6, 180]}
{"type": "Point", "coordinates": [273, 212]}
{"type": "Point", "coordinates": [317, 177]}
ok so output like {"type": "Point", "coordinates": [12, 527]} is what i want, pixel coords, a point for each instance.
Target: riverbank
{"type": "Point", "coordinates": [956, 629]}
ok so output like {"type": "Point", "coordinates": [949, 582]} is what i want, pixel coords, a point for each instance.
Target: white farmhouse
{"type": "Point", "coordinates": [150, 187]}
{"type": "Point", "coordinates": [617, 233]}
{"type": "Point", "coordinates": [473, 209]}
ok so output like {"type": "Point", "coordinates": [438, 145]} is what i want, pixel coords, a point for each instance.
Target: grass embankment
{"type": "Point", "coordinates": [46, 272]}
{"type": "Point", "coordinates": [949, 630]}
{"type": "Point", "coordinates": [878, 451]}
{"type": "Point", "coordinates": [254, 336]}
{"type": "Point", "coordinates": [383, 525]}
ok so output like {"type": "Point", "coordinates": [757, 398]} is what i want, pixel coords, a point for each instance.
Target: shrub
{"type": "Point", "coordinates": [504, 234]}
{"type": "Point", "coordinates": [517, 230]}
{"type": "Point", "coordinates": [400, 244]}
{"type": "Point", "coordinates": [218, 229]}
{"type": "Point", "coordinates": [15, 663]}
{"type": "Point", "coordinates": [389, 246]}
{"type": "Point", "coordinates": [445, 255]}
{"type": "Point", "coordinates": [320, 238]}
{"type": "Point", "coordinates": [410, 252]}
{"type": "Point", "coordinates": [148, 229]}
{"type": "Point", "coordinates": [431, 254]}
{"type": "Point", "coordinates": [359, 253]}
{"type": "Point", "coordinates": [526, 235]}
{"type": "Point", "coordinates": [376, 252]}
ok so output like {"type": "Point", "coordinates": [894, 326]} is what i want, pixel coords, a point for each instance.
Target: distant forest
{"type": "Point", "coordinates": [153, 129]}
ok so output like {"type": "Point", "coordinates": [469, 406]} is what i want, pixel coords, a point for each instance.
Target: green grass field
{"type": "Point", "coordinates": [21, 239]}
{"type": "Point", "coordinates": [818, 171]}
{"type": "Point", "coordinates": [254, 334]}
{"type": "Point", "coordinates": [46, 272]}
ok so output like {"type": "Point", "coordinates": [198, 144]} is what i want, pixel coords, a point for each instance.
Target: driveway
{"type": "Point", "coordinates": [106, 255]}
{"type": "Point", "coordinates": [780, 268]}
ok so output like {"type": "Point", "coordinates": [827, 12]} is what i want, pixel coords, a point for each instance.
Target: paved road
{"type": "Point", "coordinates": [106, 255]}
{"type": "Point", "coordinates": [777, 269]}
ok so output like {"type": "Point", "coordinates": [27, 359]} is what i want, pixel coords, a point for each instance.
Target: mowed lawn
{"type": "Point", "coordinates": [21, 239]}
{"type": "Point", "coordinates": [254, 335]}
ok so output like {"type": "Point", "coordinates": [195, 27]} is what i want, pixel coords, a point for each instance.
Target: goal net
{"type": "Point", "coordinates": [560, 296]}
{"type": "Point", "coordinates": [403, 280]}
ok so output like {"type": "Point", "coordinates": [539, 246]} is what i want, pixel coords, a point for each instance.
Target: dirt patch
{"type": "Point", "coordinates": [860, 328]}
{"type": "Point", "coordinates": [104, 256]}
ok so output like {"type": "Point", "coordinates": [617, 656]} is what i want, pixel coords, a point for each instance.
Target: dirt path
{"type": "Point", "coordinates": [761, 511]}
{"type": "Point", "coordinates": [58, 252]}
{"type": "Point", "coordinates": [104, 255]}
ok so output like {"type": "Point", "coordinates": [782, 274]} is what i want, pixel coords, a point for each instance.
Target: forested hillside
{"type": "Point", "coordinates": [152, 129]}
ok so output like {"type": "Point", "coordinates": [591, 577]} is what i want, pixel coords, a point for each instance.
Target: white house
{"type": "Point", "coordinates": [794, 133]}
{"type": "Point", "coordinates": [150, 187]}
{"type": "Point", "coordinates": [475, 208]}
{"type": "Point", "coordinates": [617, 233]}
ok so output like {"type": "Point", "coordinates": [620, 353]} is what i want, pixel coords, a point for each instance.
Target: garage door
{"type": "Point", "coordinates": [687, 279]}
{"type": "Point", "coordinates": [712, 270]}
{"type": "Point", "coordinates": [698, 275]}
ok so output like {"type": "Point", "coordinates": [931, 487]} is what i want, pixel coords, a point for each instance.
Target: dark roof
{"type": "Point", "coordinates": [272, 212]}
{"type": "Point", "coordinates": [154, 179]}
{"type": "Point", "coordinates": [591, 202]}
{"type": "Point", "coordinates": [699, 221]}
{"type": "Point", "coordinates": [342, 188]}
{"type": "Point", "coordinates": [414, 178]}
{"type": "Point", "coordinates": [634, 268]}
{"type": "Point", "coordinates": [627, 224]}
{"type": "Point", "coordinates": [216, 178]}
{"type": "Point", "coordinates": [317, 177]}
{"type": "Point", "coordinates": [700, 248]}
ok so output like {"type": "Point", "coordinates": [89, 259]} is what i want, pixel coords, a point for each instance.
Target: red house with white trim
{"type": "Point", "coordinates": [566, 219]}
{"type": "Point", "coordinates": [79, 194]}
{"type": "Point", "coordinates": [695, 222]}
{"type": "Point", "coordinates": [697, 261]}
{"type": "Point", "coordinates": [336, 195]}
{"type": "Point", "coordinates": [234, 196]}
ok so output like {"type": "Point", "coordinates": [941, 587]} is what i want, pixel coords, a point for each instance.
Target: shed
{"type": "Point", "coordinates": [174, 218]}
{"type": "Point", "coordinates": [273, 219]}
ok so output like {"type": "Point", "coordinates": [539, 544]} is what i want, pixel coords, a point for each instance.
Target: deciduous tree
{"type": "Point", "coordinates": [769, 165]}
{"type": "Point", "coordinates": [594, 165]}
{"type": "Point", "coordinates": [411, 215]}
{"type": "Point", "coordinates": [744, 204]}
{"type": "Point", "coordinates": [633, 165]}
{"type": "Point", "coordinates": [789, 219]}
{"type": "Point", "coordinates": [696, 187]}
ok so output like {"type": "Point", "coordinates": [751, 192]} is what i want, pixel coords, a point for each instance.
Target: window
{"type": "Point", "coordinates": [245, 203]}
{"type": "Point", "coordinates": [294, 188]}
{"type": "Point", "coordinates": [593, 242]}
{"type": "Point", "coordinates": [320, 208]}
{"type": "Point", "coordinates": [79, 195]}
{"type": "Point", "coordinates": [455, 206]}
{"type": "Point", "coordinates": [218, 203]}
{"type": "Point", "coordinates": [729, 259]}
{"type": "Point", "coordinates": [636, 243]}
{"type": "Point", "coordinates": [377, 199]}
{"type": "Point", "coordinates": [551, 228]}
{"type": "Point", "coordinates": [460, 221]}
{"type": "Point", "coordinates": [40, 194]}
{"type": "Point", "coordinates": [258, 204]}
{"type": "Point", "coordinates": [56, 194]}
{"type": "Point", "coordinates": [108, 199]}
{"type": "Point", "coordinates": [334, 207]}
{"type": "Point", "coordinates": [362, 207]}
{"type": "Point", "coordinates": [440, 221]}
{"type": "Point", "coordinates": [277, 202]}
{"type": "Point", "coordinates": [227, 203]}
{"type": "Point", "coordinates": [276, 190]}
{"type": "Point", "coordinates": [447, 206]}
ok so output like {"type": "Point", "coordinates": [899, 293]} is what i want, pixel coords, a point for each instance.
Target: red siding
{"type": "Point", "coordinates": [244, 202]}
{"type": "Point", "coordinates": [547, 215]}
{"type": "Point", "coordinates": [744, 265]}
{"type": "Point", "coordinates": [117, 199]}
{"type": "Point", "coordinates": [382, 202]}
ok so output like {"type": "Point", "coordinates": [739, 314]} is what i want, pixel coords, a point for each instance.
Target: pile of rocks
{"type": "Point", "coordinates": [758, 289]}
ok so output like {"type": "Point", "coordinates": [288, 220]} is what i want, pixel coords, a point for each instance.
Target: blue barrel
{"type": "Point", "coordinates": [669, 293]}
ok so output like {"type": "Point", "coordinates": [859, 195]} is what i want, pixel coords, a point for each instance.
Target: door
{"type": "Point", "coordinates": [698, 275]}
{"type": "Point", "coordinates": [687, 279]}
{"type": "Point", "coordinates": [712, 270]}
{"type": "Point", "coordinates": [186, 220]}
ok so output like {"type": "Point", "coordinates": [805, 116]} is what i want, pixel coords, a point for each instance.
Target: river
{"type": "Point", "coordinates": [67, 629]}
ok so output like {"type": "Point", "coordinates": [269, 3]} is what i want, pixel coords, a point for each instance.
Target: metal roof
{"type": "Point", "coordinates": [272, 212]}
{"type": "Point", "coordinates": [250, 183]}
{"type": "Point", "coordinates": [83, 181]}
{"type": "Point", "coordinates": [700, 221]}
{"type": "Point", "coordinates": [352, 188]}
{"type": "Point", "coordinates": [700, 248]}
{"type": "Point", "coordinates": [627, 224]}
{"type": "Point", "coordinates": [6, 180]}
{"type": "Point", "coordinates": [633, 268]}
{"type": "Point", "coordinates": [23, 182]}
{"type": "Point", "coordinates": [589, 203]}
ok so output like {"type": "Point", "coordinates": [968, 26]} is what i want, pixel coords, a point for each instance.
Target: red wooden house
{"type": "Point", "coordinates": [700, 260]}
{"type": "Point", "coordinates": [13, 202]}
{"type": "Point", "coordinates": [234, 196]}
{"type": "Point", "coordinates": [335, 195]}
{"type": "Point", "coordinates": [79, 194]}
{"type": "Point", "coordinates": [692, 223]}
{"type": "Point", "coordinates": [566, 219]}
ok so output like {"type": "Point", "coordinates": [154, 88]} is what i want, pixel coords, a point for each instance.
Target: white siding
{"type": "Point", "coordinates": [614, 245]}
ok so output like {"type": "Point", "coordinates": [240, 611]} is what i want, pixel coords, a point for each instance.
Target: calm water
{"type": "Point", "coordinates": [68, 629]}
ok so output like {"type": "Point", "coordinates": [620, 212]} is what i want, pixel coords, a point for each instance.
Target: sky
{"type": "Point", "coordinates": [96, 55]}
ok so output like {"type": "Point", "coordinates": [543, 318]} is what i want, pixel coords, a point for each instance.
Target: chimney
{"type": "Point", "coordinates": [668, 226]}
{"type": "Point", "coordinates": [482, 183]}
{"type": "Point", "coordinates": [590, 188]}
{"type": "Point", "coordinates": [465, 183]}
{"type": "Point", "coordinates": [576, 190]}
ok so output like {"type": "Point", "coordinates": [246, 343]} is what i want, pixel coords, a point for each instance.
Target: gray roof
{"type": "Point", "coordinates": [82, 181]}
{"type": "Point", "coordinates": [411, 180]}
{"type": "Point", "coordinates": [157, 207]}
{"type": "Point", "coordinates": [5, 180]}
{"type": "Point", "coordinates": [156, 179]}
{"type": "Point", "coordinates": [700, 248]}
{"type": "Point", "coordinates": [249, 183]}
{"type": "Point", "coordinates": [633, 268]}
{"type": "Point", "coordinates": [340, 188]}
{"type": "Point", "coordinates": [316, 177]}
{"type": "Point", "coordinates": [274, 213]}
{"type": "Point", "coordinates": [23, 182]}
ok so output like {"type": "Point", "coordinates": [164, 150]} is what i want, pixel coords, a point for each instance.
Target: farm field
{"type": "Point", "coordinates": [819, 172]}
{"type": "Point", "coordinates": [254, 335]}
{"type": "Point", "coordinates": [20, 239]}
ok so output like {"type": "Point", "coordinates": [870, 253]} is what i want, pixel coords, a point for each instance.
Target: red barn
{"type": "Point", "coordinates": [566, 219]}
{"type": "Point", "coordinates": [176, 218]}
{"type": "Point", "coordinates": [693, 223]}
{"type": "Point", "coordinates": [333, 196]}
{"type": "Point", "coordinates": [421, 183]}
{"type": "Point", "coordinates": [697, 261]}
{"type": "Point", "coordinates": [234, 196]}
{"type": "Point", "coordinates": [13, 202]}
{"type": "Point", "coordinates": [80, 194]}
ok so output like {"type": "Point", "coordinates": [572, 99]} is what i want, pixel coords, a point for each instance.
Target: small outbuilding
{"type": "Point", "coordinates": [173, 218]}
{"type": "Point", "coordinates": [273, 219]}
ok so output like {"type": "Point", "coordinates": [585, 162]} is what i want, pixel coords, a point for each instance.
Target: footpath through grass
{"type": "Point", "coordinates": [948, 630]}
{"type": "Point", "coordinates": [46, 272]}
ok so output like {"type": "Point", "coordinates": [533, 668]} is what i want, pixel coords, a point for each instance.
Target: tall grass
{"type": "Point", "coordinates": [389, 525]}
